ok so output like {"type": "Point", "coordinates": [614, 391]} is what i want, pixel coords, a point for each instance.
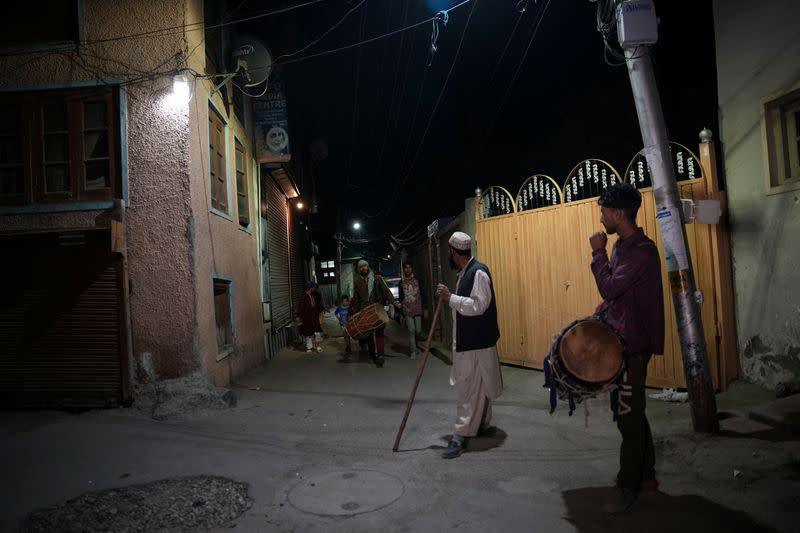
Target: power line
{"type": "Point", "coordinates": [397, 235]}
{"type": "Point", "coordinates": [416, 110]}
{"type": "Point", "coordinates": [517, 71]}
{"type": "Point", "coordinates": [370, 40]}
{"type": "Point", "coordinates": [505, 48]}
{"type": "Point", "coordinates": [388, 207]}
{"type": "Point", "coordinates": [164, 32]}
{"type": "Point", "coordinates": [196, 26]}
{"type": "Point", "coordinates": [355, 97]}
{"type": "Point", "coordinates": [413, 238]}
{"type": "Point", "coordinates": [396, 121]}
{"type": "Point", "coordinates": [312, 43]}
{"type": "Point", "coordinates": [394, 94]}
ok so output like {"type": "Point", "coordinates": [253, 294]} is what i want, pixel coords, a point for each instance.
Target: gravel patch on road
{"type": "Point", "coordinates": [191, 504]}
{"type": "Point", "coordinates": [180, 398]}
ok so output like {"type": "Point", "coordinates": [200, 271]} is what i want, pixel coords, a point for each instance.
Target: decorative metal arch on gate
{"type": "Point", "coordinates": [588, 179]}
{"type": "Point", "coordinates": [538, 191]}
{"type": "Point", "coordinates": [685, 162]}
{"type": "Point", "coordinates": [496, 201]}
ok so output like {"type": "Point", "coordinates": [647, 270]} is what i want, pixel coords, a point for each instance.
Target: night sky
{"type": "Point", "coordinates": [372, 104]}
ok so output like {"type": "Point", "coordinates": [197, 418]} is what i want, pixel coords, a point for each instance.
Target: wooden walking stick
{"type": "Point", "coordinates": [419, 376]}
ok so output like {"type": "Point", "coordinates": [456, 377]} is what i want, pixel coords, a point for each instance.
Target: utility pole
{"type": "Point", "coordinates": [637, 30]}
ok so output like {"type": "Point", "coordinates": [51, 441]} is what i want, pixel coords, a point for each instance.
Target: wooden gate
{"type": "Point", "coordinates": [536, 245]}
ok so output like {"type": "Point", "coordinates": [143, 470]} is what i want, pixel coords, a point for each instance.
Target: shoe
{"type": "Point", "coordinates": [308, 350]}
{"type": "Point", "coordinates": [379, 361]}
{"type": "Point", "coordinates": [486, 430]}
{"type": "Point", "coordinates": [454, 449]}
{"type": "Point", "coordinates": [620, 501]}
{"type": "Point", "coordinates": [649, 487]}
{"type": "Point", "coordinates": [319, 349]}
{"type": "Point", "coordinates": [413, 355]}
{"type": "Point", "coordinates": [348, 350]}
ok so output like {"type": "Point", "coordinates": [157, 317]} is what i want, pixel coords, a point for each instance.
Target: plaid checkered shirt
{"type": "Point", "coordinates": [633, 298]}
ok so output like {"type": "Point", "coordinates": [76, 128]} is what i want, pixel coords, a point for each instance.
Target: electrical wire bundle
{"type": "Point", "coordinates": [606, 25]}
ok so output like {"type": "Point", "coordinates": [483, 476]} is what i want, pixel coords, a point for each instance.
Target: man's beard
{"type": "Point", "coordinates": [452, 262]}
{"type": "Point", "coordinates": [364, 273]}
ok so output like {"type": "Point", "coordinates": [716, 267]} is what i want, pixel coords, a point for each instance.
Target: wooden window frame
{"type": "Point", "coordinates": [31, 107]}
{"type": "Point", "coordinates": [243, 188]}
{"type": "Point", "coordinates": [218, 161]}
{"type": "Point", "coordinates": [76, 20]}
{"type": "Point", "coordinates": [781, 140]}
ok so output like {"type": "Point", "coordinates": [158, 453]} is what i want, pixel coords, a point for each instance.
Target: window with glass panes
{"type": "Point", "coordinates": [328, 271]}
{"type": "Point", "coordinates": [59, 146]}
{"type": "Point", "coordinates": [217, 172]}
{"type": "Point", "coordinates": [242, 186]}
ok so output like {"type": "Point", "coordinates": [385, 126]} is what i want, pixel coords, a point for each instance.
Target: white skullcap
{"type": "Point", "coordinates": [460, 241]}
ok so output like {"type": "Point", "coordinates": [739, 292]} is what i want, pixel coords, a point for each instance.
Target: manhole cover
{"type": "Point", "coordinates": [346, 493]}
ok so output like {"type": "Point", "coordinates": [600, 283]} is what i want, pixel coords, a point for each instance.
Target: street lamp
{"type": "Point", "coordinates": [356, 225]}
{"type": "Point", "coordinates": [300, 205]}
{"type": "Point", "coordinates": [181, 90]}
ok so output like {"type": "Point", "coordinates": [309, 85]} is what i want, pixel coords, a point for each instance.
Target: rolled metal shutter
{"type": "Point", "coordinates": [278, 234]}
{"type": "Point", "coordinates": [60, 327]}
{"type": "Point", "coordinates": [297, 272]}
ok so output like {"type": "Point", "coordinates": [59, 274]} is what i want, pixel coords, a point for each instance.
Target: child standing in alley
{"type": "Point", "coordinates": [343, 313]}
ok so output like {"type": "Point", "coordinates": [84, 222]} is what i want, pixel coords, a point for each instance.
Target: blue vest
{"type": "Point", "coordinates": [476, 332]}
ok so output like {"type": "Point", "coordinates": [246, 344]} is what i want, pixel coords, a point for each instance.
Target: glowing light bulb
{"type": "Point", "coordinates": [181, 90]}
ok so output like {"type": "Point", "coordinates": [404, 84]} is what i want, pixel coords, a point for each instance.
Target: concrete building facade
{"type": "Point", "coordinates": [758, 67]}
{"type": "Point", "coordinates": [173, 186]}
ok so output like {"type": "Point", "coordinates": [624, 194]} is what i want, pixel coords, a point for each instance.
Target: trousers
{"type": "Point", "coordinates": [414, 327]}
{"type": "Point", "coordinates": [637, 457]}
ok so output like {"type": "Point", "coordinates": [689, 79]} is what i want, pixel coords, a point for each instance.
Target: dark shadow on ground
{"type": "Point", "coordinates": [482, 444]}
{"type": "Point", "coordinates": [426, 448]}
{"type": "Point", "coordinates": [655, 513]}
{"type": "Point", "coordinates": [771, 435]}
{"type": "Point", "coordinates": [736, 425]}
{"type": "Point", "coordinates": [398, 347]}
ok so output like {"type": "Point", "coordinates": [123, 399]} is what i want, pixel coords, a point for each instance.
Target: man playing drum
{"type": "Point", "coordinates": [369, 288]}
{"type": "Point", "coordinates": [476, 368]}
{"type": "Point", "coordinates": [633, 304]}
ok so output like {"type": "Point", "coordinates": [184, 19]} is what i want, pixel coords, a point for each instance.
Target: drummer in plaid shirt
{"type": "Point", "coordinates": [633, 304]}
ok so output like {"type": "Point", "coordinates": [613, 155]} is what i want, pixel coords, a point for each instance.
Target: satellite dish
{"type": "Point", "coordinates": [251, 61]}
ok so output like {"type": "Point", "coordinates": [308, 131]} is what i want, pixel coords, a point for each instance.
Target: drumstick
{"type": "Point", "coordinates": [419, 376]}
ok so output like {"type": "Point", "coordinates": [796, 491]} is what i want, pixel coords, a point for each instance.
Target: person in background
{"type": "Point", "coordinates": [342, 314]}
{"type": "Point", "coordinates": [476, 367]}
{"type": "Point", "coordinates": [411, 300]}
{"type": "Point", "coordinates": [370, 288]}
{"type": "Point", "coordinates": [308, 310]}
{"type": "Point", "coordinates": [633, 304]}
{"type": "Point", "coordinates": [320, 301]}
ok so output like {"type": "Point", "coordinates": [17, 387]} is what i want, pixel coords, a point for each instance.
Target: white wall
{"type": "Point", "coordinates": [758, 54]}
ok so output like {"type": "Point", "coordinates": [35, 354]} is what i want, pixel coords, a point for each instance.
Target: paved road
{"type": "Point", "coordinates": [312, 436]}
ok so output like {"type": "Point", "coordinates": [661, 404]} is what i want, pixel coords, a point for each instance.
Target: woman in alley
{"type": "Point", "coordinates": [308, 311]}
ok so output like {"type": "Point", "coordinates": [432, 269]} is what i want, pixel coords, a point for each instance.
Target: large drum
{"type": "Point", "coordinates": [367, 321]}
{"type": "Point", "coordinates": [586, 358]}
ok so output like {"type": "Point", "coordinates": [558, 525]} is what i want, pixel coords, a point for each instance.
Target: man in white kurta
{"type": "Point", "coordinates": [476, 368]}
